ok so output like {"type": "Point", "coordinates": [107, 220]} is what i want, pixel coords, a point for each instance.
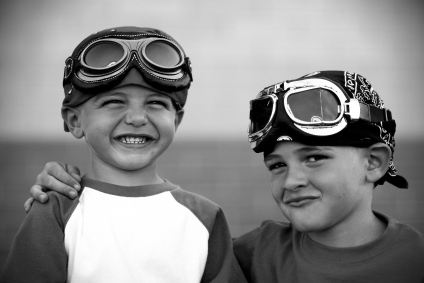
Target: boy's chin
{"type": "Point", "coordinates": [306, 226]}
{"type": "Point", "coordinates": [134, 166]}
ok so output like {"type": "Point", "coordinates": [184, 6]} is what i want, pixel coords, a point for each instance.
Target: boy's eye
{"type": "Point", "coordinates": [274, 166]}
{"type": "Point", "coordinates": [315, 158]}
{"type": "Point", "coordinates": [160, 103]}
{"type": "Point", "coordinates": [112, 101]}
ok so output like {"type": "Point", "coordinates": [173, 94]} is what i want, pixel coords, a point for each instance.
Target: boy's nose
{"type": "Point", "coordinates": [136, 116]}
{"type": "Point", "coordinates": [295, 179]}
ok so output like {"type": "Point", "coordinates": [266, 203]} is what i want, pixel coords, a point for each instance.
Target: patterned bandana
{"type": "Point", "coordinates": [358, 134]}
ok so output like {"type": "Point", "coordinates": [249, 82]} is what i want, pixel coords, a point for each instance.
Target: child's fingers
{"type": "Point", "coordinates": [73, 171]}
{"type": "Point", "coordinates": [38, 194]}
{"type": "Point", "coordinates": [28, 203]}
{"type": "Point", "coordinates": [55, 173]}
{"type": "Point", "coordinates": [48, 182]}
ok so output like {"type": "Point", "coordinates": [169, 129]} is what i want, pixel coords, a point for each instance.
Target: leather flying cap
{"type": "Point", "coordinates": [78, 91]}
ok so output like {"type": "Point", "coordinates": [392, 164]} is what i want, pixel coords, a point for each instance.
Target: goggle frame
{"type": "Point", "coordinates": [350, 110]}
{"type": "Point", "coordinates": [258, 135]}
{"type": "Point", "coordinates": [133, 50]}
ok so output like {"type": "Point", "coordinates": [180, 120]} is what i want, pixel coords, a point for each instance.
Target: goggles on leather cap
{"type": "Point", "coordinates": [105, 59]}
{"type": "Point", "coordinates": [126, 55]}
{"type": "Point", "coordinates": [315, 106]}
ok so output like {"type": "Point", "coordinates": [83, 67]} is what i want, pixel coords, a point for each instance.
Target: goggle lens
{"type": "Point", "coordinates": [315, 105]}
{"type": "Point", "coordinates": [163, 54]}
{"type": "Point", "coordinates": [103, 55]}
{"type": "Point", "coordinates": [260, 113]}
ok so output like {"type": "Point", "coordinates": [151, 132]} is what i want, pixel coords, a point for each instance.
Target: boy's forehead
{"type": "Point", "coordinates": [300, 147]}
{"type": "Point", "coordinates": [132, 90]}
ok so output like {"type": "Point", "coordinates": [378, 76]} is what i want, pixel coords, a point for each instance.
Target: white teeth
{"type": "Point", "coordinates": [132, 140]}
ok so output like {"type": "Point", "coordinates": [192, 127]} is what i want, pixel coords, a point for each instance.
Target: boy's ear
{"type": "Point", "coordinates": [178, 118]}
{"type": "Point", "coordinates": [378, 156]}
{"type": "Point", "coordinates": [72, 118]}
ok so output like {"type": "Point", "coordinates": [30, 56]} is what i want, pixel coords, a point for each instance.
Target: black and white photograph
{"type": "Point", "coordinates": [211, 141]}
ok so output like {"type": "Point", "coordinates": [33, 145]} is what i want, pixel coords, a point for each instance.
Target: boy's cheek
{"type": "Point", "coordinates": [277, 193]}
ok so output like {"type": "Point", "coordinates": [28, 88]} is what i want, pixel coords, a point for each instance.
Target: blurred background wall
{"type": "Point", "coordinates": [237, 48]}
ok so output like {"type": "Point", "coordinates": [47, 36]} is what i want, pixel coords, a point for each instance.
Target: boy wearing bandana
{"type": "Point", "coordinates": [125, 89]}
{"type": "Point", "coordinates": [328, 141]}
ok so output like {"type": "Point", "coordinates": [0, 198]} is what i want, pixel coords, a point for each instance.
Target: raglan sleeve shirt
{"type": "Point", "coordinates": [38, 252]}
{"type": "Point", "coordinates": [221, 264]}
{"type": "Point", "coordinates": [155, 233]}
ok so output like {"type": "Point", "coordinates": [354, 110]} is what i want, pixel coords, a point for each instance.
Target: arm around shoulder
{"type": "Point", "coordinates": [38, 252]}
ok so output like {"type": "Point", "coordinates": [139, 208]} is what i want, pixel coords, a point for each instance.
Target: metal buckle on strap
{"type": "Point", "coordinates": [353, 110]}
{"type": "Point", "coordinates": [357, 110]}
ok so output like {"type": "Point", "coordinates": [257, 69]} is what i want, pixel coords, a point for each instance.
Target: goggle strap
{"type": "Point", "coordinates": [187, 67]}
{"type": "Point", "coordinates": [373, 114]}
{"type": "Point", "coordinates": [276, 88]}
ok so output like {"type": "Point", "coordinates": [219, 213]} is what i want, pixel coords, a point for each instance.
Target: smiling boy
{"type": "Point", "coordinates": [327, 141]}
{"type": "Point", "coordinates": [125, 89]}
{"type": "Point", "coordinates": [125, 144]}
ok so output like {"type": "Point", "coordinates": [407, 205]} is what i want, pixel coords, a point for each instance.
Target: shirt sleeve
{"type": "Point", "coordinates": [38, 252]}
{"type": "Point", "coordinates": [221, 265]}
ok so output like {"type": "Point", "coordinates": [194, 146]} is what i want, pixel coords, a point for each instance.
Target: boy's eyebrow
{"type": "Point", "coordinates": [103, 95]}
{"type": "Point", "coordinates": [118, 93]}
{"type": "Point", "coordinates": [270, 157]}
{"type": "Point", "coordinates": [154, 94]}
{"type": "Point", "coordinates": [302, 150]}
{"type": "Point", "coordinates": [308, 149]}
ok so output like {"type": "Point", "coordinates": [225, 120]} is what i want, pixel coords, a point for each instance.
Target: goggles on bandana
{"type": "Point", "coordinates": [315, 106]}
{"type": "Point", "coordinates": [329, 108]}
{"type": "Point", "coordinates": [107, 58]}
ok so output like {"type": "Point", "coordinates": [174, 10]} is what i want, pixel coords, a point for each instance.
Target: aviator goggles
{"type": "Point", "coordinates": [107, 58]}
{"type": "Point", "coordinates": [314, 106]}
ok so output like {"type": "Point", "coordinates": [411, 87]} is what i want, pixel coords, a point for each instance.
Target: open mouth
{"type": "Point", "coordinates": [132, 139]}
